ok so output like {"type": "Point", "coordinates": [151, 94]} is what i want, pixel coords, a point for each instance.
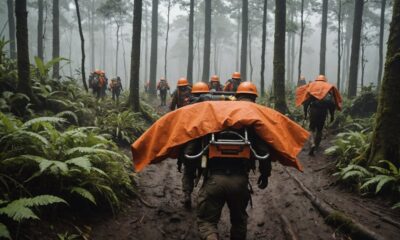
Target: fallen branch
{"type": "Point", "coordinates": [287, 229]}
{"type": "Point", "coordinates": [337, 218]}
{"type": "Point", "coordinates": [144, 202]}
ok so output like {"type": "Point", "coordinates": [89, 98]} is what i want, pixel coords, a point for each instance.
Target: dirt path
{"type": "Point", "coordinates": [282, 211]}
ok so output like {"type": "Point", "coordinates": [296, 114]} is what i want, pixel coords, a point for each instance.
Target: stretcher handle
{"type": "Point", "coordinates": [258, 156]}
{"type": "Point", "coordinates": [245, 138]}
{"type": "Point", "coordinates": [197, 155]}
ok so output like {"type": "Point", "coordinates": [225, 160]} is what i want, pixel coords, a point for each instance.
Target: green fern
{"type": "Point", "coordinates": [4, 233]}
{"type": "Point", "coordinates": [40, 120]}
{"type": "Point", "coordinates": [84, 194]}
{"type": "Point", "coordinates": [20, 209]}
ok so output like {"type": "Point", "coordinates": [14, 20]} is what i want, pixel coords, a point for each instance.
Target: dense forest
{"type": "Point", "coordinates": [80, 81]}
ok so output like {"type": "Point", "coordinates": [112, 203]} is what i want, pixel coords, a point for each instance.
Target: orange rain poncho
{"type": "Point", "coordinates": [164, 138]}
{"type": "Point", "coordinates": [318, 89]}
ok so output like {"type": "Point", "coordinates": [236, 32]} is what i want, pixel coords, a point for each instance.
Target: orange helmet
{"type": "Point", "coordinates": [214, 78]}
{"type": "Point", "coordinates": [200, 87]}
{"type": "Point", "coordinates": [182, 82]}
{"type": "Point", "coordinates": [247, 88]}
{"type": "Point", "coordinates": [236, 75]}
{"type": "Point", "coordinates": [321, 78]}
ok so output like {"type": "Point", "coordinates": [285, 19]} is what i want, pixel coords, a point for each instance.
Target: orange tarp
{"type": "Point", "coordinates": [318, 89]}
{"type": "Point", "coordinates": [164, 138]}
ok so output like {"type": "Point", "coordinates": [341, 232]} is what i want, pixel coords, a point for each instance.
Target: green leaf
{"type": "Point", "coordinates": [384, 180]}
{"type": "Point", "coordinates": [392, 167]}
{"type": "Point", "coordinates": [39, 137]}
{"type": "Point", "coordinates": [397, 205]}
{"type": "Point", "coordinates": [40, 66]}
{"type": "Point", "coordinates": [43, 119]}
{"type": "Point", "coordinates": [4, 233]}
{"type": "Point", "coordinates": [70, 114]}
{"type": "Point", "coordinates": [18, 212]}
{"type": "Point", "coordinates": [82, 162]}
{"type": "Point", "coordinates": [84, 193]}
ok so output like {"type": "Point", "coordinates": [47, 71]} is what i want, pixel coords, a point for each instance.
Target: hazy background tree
{"type": "Point", "coordinates": [82, 45]}
{"type": "Point", "coordinates": [154, 46]}
{"type": "Point", "coordinates": [355, 48]}
{"type": "Point", "coordinates": [189, 74]}
{"type": "Point", "coordinates": [40, 30]}
{"type": "Point", "coordinates": [56, 38]}
{"type": "Point", "coordinates": [166, 40]}
{"type": "Point", "coordinates": [324, 27]}
{"type": "Point", "coordinates": [135, 56]}
{"type": "Point", "coordinates": [207, 41]}
{"type": "Point", "coordinates": [11, 28]}
{"type": "Point", "coordinates": [264, 40]}
{"type": "Point", "coordinates": [279, 56]}
{"type": "Point", "coordinates": [245, 34]}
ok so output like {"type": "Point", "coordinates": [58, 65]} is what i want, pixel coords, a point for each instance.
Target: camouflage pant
{"type": "Point", "coordinates": [215, 192]}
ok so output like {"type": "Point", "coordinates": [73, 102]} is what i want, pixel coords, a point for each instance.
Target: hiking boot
{"type": "Point", "coordinates": [212, 236]}
{"type": "Point", "coordinates": [187, 201]}
{"type": "Point", "coordinates": [312, 150]}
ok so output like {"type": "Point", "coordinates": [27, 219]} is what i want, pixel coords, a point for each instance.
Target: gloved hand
{"type": "Point", "coordinates": [262, 181]}
{"type": "Point", "coordinates": [232, 98]}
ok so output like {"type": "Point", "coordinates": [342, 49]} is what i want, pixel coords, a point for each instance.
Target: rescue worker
{"type": "Point", "coordinates": [215, 85]}
{"type": "Point", "coordinates": [318, 110]}
{"type": "Point", "coordinates": [301, 81]}
{"type": "Point", "coordinates": [115, 87]}
{"type": "Point", "coordinates": [232, 84]}
{"type": "Point", "coordinates": [190, 167]}
{"type": "Point", "coordinates": [163, 88]}
{"type": "Point", "coordinates": [182, 94]}
{"type": "Point", "coordinates": [226, 181]}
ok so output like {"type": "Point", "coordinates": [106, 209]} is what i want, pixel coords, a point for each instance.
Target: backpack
{"type": "Point", "coordinates": [327, 101]}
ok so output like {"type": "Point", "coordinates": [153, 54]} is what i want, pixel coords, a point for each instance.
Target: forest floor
{"type": "Point", "coordinates": [282, 211]}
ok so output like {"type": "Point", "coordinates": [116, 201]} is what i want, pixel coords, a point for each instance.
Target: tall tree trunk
{"type": "Point", "coordinates": [189, 74]}
{"type": "Point", "coordinates": [56, 38]}
{"type": "Point", "coordinates": [82, 45]}
{"type": "Point", "coordinates": [135, 56]}
{"type": "Point", "coordinates": [279, 56]}
{"type": "Point", "coordinates": [215, 55]}
{"type": "Point", "coordinates": [166, 41]}
{"type": "Point", "coordinates": [381, 33]}
{"type": "Point", "coordinates": [92, 40]}
{"type": "Point", "coordinates": [146, 47]}
{"type": "Point", "coordinates": [302, 26]}
{"type": "Point", "coordinates": [11, 28]}
{"type": "Point", "coordinates": [124, 57]}
{"type": "Point", "coordinates": [239, 21]}
{"type": "Point", "coordinates": [293, 55]}
{"type": "Point", "coordinates": [70, 50]}
{"type": "Point", "coordinates": [363, 61]}
{"type": "Point", "coordinates": [245, 35]}
{"type": "Point", "coordinates": [198, 55]}
{"type": "Point", "coordinates": [104, 45]}
{"type": "Point", "coordinates": [263, 46]}
{"type": "Point", "coordinates": [355, 48]}
{"type": "Point", "coordinates": [40, 30]}
{"type": "Point", "coordinates": [324, 27]}
{"type": "Point", "coordinates": [339, 40]}
{"type": "Point", "coordinates": [117, 51]}
{"type": "Point", "coordinates": [288, 45]}
{"type": "Point", "coordinates": [24, 80]}
{"type": "Point", "coordinates": [207, 42]}
{"type": "Point", "coordinates": [153, 54]}
{"type": "Point", "coordinates": [385, 140]}
{"type": "Point", "coordinates": [250, 62]}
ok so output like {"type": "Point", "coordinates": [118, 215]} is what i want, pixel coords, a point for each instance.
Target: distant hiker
{"type": "Point", "coordinates": [181, 96]}
{"type": "Point", "coordinates": [318, 98]}
{"type": "Point", "coordinates": [301, 81]}
{"type": "Point", "coordinates": [163, 88]}
{"type": "Point", "coordinates": [98, 83]}
{"type": "Point", "coordinates": [115, 88]}
{"type": "Point", "coordinates": [232, 84]}
{"type": "Point", "coordinates": [227, 174]}
{"type": "Point", "coordinates": [215, 85]}
{"type": "Point", "coordinates": [146, 86]}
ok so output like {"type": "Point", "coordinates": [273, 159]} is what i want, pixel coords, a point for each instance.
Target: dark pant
{"type": "Point", "coordinates": [217, 190]}
{"type": "Point", "coordinates": [163, 97]}
{"type": "Point", "coordinates": [317, 122]}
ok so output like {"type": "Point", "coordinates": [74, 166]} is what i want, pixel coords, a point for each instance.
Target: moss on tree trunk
{"type": "Point", "coordinates": [386, 136]}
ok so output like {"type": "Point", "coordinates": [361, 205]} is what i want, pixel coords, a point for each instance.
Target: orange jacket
{"type": "Point", "coordinates": [318, 89]}
{"type": "Point", "coordinates": [165, 137]}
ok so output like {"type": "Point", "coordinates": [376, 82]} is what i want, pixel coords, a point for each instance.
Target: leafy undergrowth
{"type": "Point", "coordinates": [350, 149]}
{"type": "Point", "coordinates": [61, 154]}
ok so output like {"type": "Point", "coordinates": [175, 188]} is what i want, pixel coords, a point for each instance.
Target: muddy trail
{"type": "Point", "coordinates": [282, 211]}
